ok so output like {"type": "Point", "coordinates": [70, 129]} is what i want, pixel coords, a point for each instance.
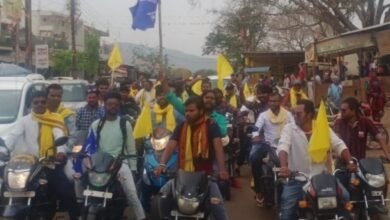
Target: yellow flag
{"type": "Point", "coordinates": [224, 69]}
{"type": "Point", "coordinates": [247, 91]}
{"type": "Point", "coordinates": [115, 59]}
{"type": "Point", "coordinates": [197, 88]}
{"type": "Point", "coordinates": [320, 140]}
{"type": "Point", "coordinates": [143, 126]}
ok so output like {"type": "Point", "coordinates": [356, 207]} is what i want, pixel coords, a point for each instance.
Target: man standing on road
{"type": "Point", "coordinates": [90, 112]}
{"type": "Point", "coordinates": [111, 142]}
{"type": "Point", "coordinates": [335, 92]}
{"type": "Point", "coordinates": [354, 129]}
{"type": "Point", "coordinates": [271, 123]}
{"type": "Point", "coordinates": [294, 156]}
{"type": "Point", "coordinates": [200, 146]}
{"type": "Point", "coordinates": [39, 129]}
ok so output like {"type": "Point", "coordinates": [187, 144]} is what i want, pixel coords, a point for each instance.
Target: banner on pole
{"type": "Point", "coordinates": [42, 56]}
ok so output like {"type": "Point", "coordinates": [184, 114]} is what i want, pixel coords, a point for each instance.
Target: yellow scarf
{"type": "Point", "coordinates": [47, 122]}
{"type": "Point", "coordinates": [65, 112]}
{"type": "Point", "coordinates": [170, 121]}
{"type": "Point", "coordinates": [133, 92]}
{"type": "Point", "coordinates": [233, 101]}
{"type": "Point", "coordinates": [294, 97]}
{"type": "Point", "coordinates": [280, 120]}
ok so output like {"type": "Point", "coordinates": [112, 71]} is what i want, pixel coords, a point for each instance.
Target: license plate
{"type": "Point", "coordinates": [28, 194]}
{"type": "Point", "coordinates": [376, 193]}
{"type": "Point", "coordinates": [175, 213]}
{"type": "Point", "coordinates": [97, 194]}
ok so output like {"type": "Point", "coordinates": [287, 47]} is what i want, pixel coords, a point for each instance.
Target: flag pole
{"type": "Point", "coordinates": [160, 36]}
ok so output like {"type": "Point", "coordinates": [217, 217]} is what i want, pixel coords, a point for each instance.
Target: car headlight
{"type": "Point", "coordinates": [160, 144]}
{"type": "Point", "coordinates": [18, 180]}
{"type": "Point", "coordinates": [327, 202]}
{"type": "Point", "coordinates": [376, 180]}
{"type": "Point", "coordinates": [187, 206]}
{"type": "Point", "coordinates": [98, 179]}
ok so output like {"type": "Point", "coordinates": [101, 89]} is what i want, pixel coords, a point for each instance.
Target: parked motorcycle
{"type": "Point", "coordinates": [24, 189]}
{"type": "Point", "coordinates": [369, 190]}
{"type": "Point", "coordinates": [149, 184]}
{"type": "Point", "coordinates": [188, 200]}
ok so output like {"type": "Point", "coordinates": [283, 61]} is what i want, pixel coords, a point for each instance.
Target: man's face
{"type": "Point", "coordinates": [297, 88]}
{"type": "Point", "coordinates": [39, 105]}
{"type": "Point", "coordinates": [209, 101]}
{"type": "Point", "coordinates": [274, 102]}
{"type": "Point", "coordinates": [218, 97]}
{"type": "Point", "coordinates": [205, 86]}
{"type": "Point", "coordinates": [193, 113]}
{"type": "Point", "coordinates": [147, 85]}
{"type": "Point", "coordinates": [230, 92]}
{"type": "Point", "coordinates": [92, 99]}
{"type": "Point", "coordinates": [102, 90]}
{"type": "Point", "coordinates": [124, 95]}
{"type": "Point", "coordinates": [346, 112]}
{"type": "Point", "coordinates": [300, 115]}
{"type": "Point", "coordinates": [54, 97]}
{"type": "Point", "coordinates": [112, 106]}
{"type": "Point", "coordinates": [263, 97]}
{"type": "Point", "coordinates": [162, 101]}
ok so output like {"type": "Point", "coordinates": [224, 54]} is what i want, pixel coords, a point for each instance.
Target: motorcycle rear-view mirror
{"type": "Point", "coordinates": [60, 141]}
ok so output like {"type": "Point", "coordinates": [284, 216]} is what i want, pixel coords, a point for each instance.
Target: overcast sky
{"type": "Point", "coordinates": [185, 26]}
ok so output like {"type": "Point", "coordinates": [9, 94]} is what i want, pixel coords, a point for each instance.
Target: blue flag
{"type": "Point", "coordinates": [144, 14]}
{"type": "Point", "coordinates": [89, 148]}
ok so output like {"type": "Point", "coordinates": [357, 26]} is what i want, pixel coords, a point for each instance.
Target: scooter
{"type": "Point", "coordinates": [188, 199]}
{"type": "Point", "coordinates": [149, 184]}
{"type": "Point", "coordinates": [369, 190]}
{"type": "Point", "coordinates": [25, 186]}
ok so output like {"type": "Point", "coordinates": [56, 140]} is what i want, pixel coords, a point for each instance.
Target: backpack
{"type": "Point", "coordinates": [122, 124]}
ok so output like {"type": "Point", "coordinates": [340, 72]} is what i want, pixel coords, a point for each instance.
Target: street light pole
{"type": "Point", "coordinates": [29, 43]}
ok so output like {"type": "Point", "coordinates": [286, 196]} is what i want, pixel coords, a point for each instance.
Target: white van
{"type": "Point", "coordinates": [15, 96]}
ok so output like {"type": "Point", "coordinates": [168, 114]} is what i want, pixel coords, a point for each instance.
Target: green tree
{"type": "Point", "coordinates": [91, 56]}
{"type": "Point", "coordinates": [62, 62]}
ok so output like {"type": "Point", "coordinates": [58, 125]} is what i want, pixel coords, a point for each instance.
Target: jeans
{"type": "Point", "coordinates": [256, 155]}
{"type": "Point", "coordinates": [217, 209]}
{"type": "Point", "coordinates": [293, 193]}
{"type": "Point", "coordinates": [125, 178]}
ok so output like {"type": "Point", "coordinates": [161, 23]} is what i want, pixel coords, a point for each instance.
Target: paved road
{"type": "Point", "coordinates": [242, 205]}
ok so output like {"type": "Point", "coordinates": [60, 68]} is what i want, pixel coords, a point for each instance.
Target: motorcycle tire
{"type": "Point", "coordinates": [155, 208]}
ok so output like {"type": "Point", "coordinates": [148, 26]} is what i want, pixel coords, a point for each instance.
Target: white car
{"type": "Point", "coordinates": [15, 95]}
{"type": "Point", "coordinates": [75, 92]}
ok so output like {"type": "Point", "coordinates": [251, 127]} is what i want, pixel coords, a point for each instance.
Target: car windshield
{"type": "Point", "coordinates": [10, 108]}
{"type": "Point", "coordinates": [74, 92]}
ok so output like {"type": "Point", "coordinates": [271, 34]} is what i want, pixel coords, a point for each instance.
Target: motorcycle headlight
{"type": "Point", "coordinates": [376, 180]}
{"type": "Point", "coordinates": [18, 180]}
{"type": "Point", "coordinates": [98, 179]}
{"type": "Point", "coordinates": [160, 144]}
{"type": "Point", "coordinates": [187, 206]}
{"type": "Point", "coordinates": [327, 202]}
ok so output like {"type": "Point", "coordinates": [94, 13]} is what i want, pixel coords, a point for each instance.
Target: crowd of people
{"type": "Point", "coordinates": [196, 118]}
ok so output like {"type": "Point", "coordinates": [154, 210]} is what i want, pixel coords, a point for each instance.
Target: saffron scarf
{"type": "Point", "coordinates": [280, 120]}
{"type": "Point", "coordinates": [47, 121]}
{"type": "Point", "coordinates": [170, 122]}
{"type": "Point", "coordinates": [133, 92]}
{"type": "Point", "coordinates": [295, 96]}
{"type": "Point", "coordinates": [193, 143]}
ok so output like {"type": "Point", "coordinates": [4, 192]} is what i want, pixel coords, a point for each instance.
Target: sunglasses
{"type": "Point", "coordinates": [39, 102]}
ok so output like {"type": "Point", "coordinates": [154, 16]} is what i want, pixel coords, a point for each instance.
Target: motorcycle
{"type": "Point", "coordinates": [149, 184]}
{"type": "Point", "coordinates": [369, 189]}
{"type": "Point", "coordinates": [103, 195]}
{"type": "Point", "coordinates": [25, 186]}
{"type": "Point", "coordinates": [188, 199]}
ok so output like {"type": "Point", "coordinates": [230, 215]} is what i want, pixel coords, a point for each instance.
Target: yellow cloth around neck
{"type": "Point", "coordinates": [65, 112]}
{"type": "Point", "coordinates": [143, 126]}
{"type": "Point", "coordinates": [47, 122]}
{"type": "Point", "coordinates": [133, 92]}
{"type": "Point", "coordinates": [294, 97]}
{"type": "Point", "coordinates": [170, 122]}
{"type": "Point", "coordinates": [189, 164]}
{"type": "Point", "coordinates": [319, 144]}
{"type": "Point", "coordinates": [280, 119]}
{"type": "Point", "coordinates": [233, 101]}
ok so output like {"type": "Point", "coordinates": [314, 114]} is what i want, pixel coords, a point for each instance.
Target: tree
{"type": "Point", "coordinates": [91, 56]}
{"type": "Point", "coordinates": [148, 60]}
{"type": "Point", "coordinates": [241, 27]}
{"type": "Point", "coordinates": [62, 62]}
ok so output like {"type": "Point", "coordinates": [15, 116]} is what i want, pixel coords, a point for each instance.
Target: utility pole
{"type": "Point", "coordinates": [17, 47]}
{"type": "Point", "coordinates": [162, 68]}
{"type": "Point", "coordinates": [73, 34]}
{"type": "Point", "coordinates": [29, 46]}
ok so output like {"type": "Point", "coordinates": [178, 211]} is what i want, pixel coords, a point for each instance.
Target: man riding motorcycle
{"type": "Point", "coordinates": [38, 130]}
{"type": "Point", "coordinates": [199, 143]}
{"type": "Point", "coordinates": [293, 156]}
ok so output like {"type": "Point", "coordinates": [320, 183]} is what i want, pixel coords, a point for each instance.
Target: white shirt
{"type": "Point", "coordinates": [147, 96]}
{"type": "Point", "coordinates": [294, 142]}
{"type": "Point", "coordinates": [24, 137]}
{"type": "Point", "coordinates": [270, 129]}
